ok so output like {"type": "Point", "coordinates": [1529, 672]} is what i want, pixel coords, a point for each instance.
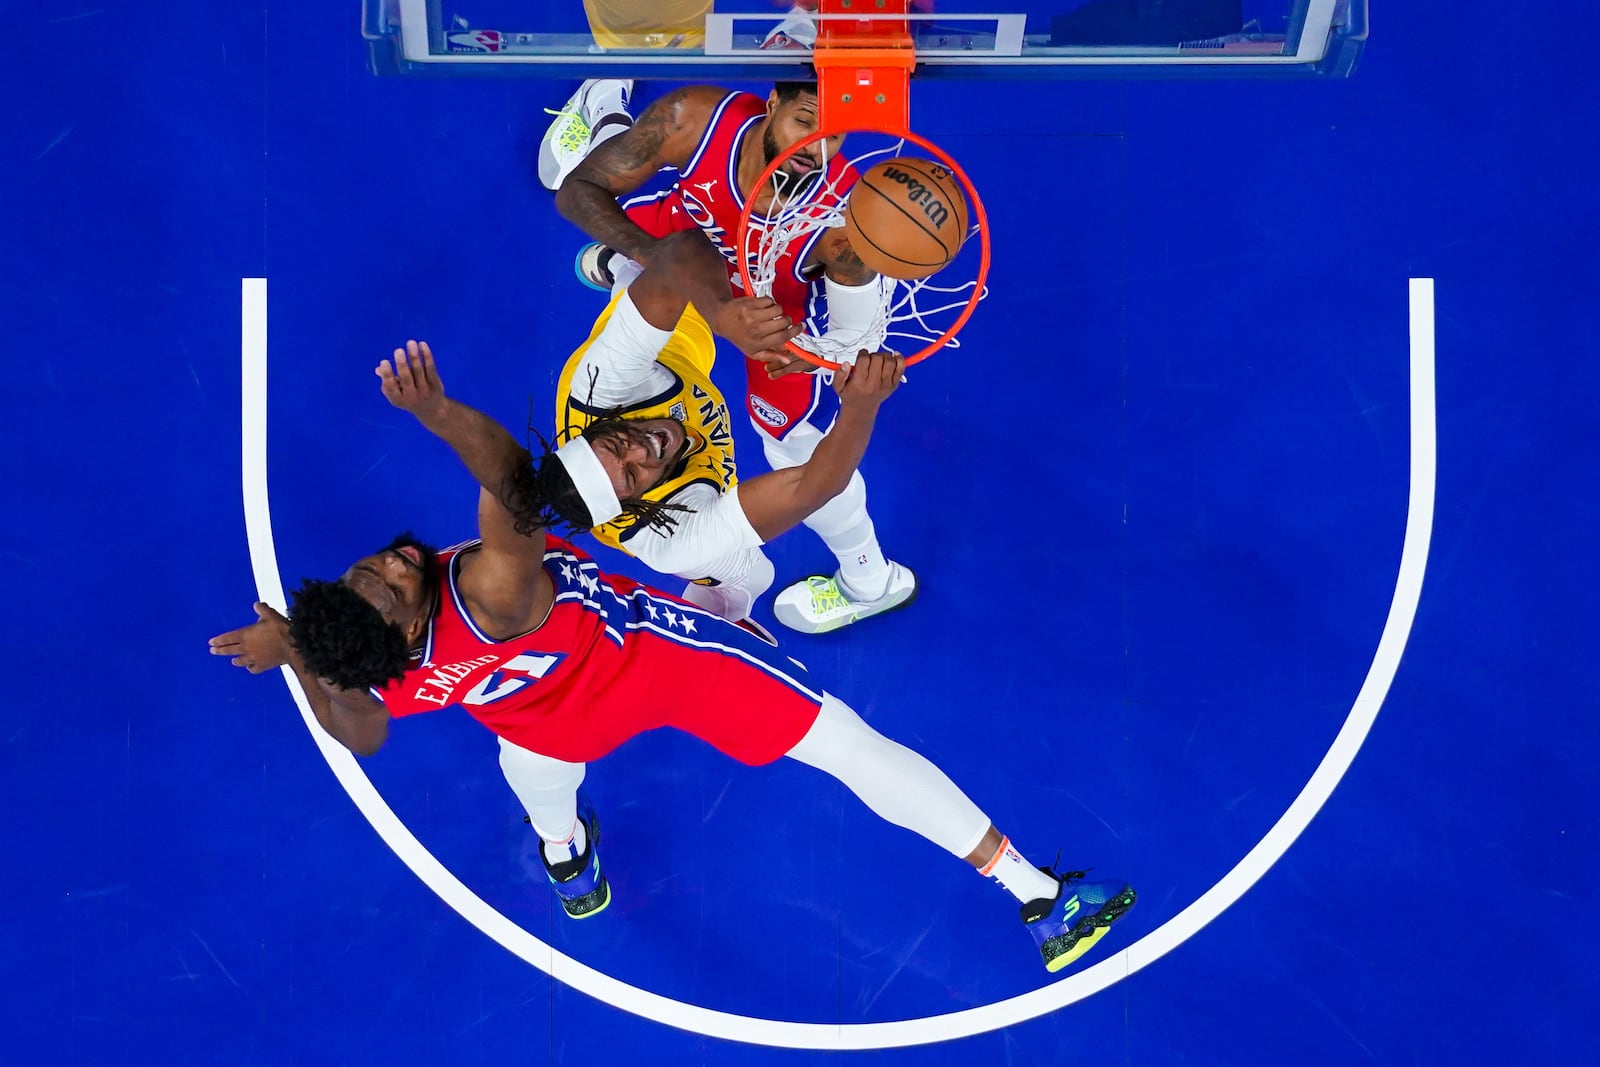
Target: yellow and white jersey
{"type": "Point", "coordinates": [648, 23]}
{"type": "Point", "coordinates": [627, 367]}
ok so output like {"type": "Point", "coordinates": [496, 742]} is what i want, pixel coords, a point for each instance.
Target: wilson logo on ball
{"type": "Point", "coordinates": [917, 193]}
{"type": "Point", "coordinates": [906, 217]}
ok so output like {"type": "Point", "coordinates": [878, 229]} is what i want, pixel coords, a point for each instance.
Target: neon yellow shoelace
{"type": "Point", "coordinates": [825, 595]}
{"type": "Point", "coordinates": [575, 134]}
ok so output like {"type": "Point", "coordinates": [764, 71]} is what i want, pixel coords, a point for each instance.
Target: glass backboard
{"type": "Point", "coordinates": [764, 39]}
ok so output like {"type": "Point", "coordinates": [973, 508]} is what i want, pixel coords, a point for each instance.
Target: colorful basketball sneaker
{"type": "Point", "coordinates": [579, 882]}
{"type": "Point", "coordinates": [593, 266]}
{"type": "Point", "coordinates": [1068, 926]}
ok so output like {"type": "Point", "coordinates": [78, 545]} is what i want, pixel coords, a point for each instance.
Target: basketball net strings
{"type": "Point", "coordinates": [900, 313]}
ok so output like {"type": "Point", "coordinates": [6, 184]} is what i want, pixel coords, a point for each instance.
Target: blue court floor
{"type": "Point", "coordinates": [1158, 504]}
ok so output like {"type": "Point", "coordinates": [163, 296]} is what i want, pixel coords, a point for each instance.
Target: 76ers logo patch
{"type": "Point", "coordinates": [767, 413]}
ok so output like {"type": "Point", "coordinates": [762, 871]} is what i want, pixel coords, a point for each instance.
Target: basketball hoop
{"type": "Point", "coordinates": [915, 313]}
{"type": "Point", "coordinates": [864, 55]}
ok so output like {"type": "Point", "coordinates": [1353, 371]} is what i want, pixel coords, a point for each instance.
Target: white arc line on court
{"type": "Point", "coordinates": [969, 1021]}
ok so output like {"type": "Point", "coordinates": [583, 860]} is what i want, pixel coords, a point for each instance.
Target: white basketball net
{"type": "Point", "coordinates": [907, 310]}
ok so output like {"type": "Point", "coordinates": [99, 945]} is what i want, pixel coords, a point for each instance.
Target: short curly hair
{"type": "Point", "coordinates": [791, 90]}
{"type": "Point", "coordinates": [343, 638]}
{"type": "Point", "coordinates": [541, 495]}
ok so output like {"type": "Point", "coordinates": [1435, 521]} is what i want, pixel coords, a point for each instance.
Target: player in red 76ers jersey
{"type": "Point", "coordinates": [719, 142]}
{"type": "Point", "coordinates": [564, 663]}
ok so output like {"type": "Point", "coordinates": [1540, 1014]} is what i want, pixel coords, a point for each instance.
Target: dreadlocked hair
{"type": "Point", "coordinates": [343, 638]}
{"type": "Point", "coordinates": [540, 494]}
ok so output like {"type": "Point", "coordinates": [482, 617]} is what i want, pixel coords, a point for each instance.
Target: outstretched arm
{"type": "Point", "coordinates": [688, 268]}
{"type": "Point", "coordinates": [665, 135]}
{"type": "Point", "coordinates": [411, 383]}
{"type": "Point", "coordinates": [854, 293]}
{"type": "Point", "coordinates": [354, 719]}
{"type": "Point", "coordinates": [781, 500]}
{"type": "Point", "coordinates": [504, 581]}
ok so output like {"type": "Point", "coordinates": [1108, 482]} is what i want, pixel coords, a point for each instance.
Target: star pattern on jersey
{"type": "Point", "coordinates": [674, 620]}
{"type": "Point", "coordinates": [588, 577]}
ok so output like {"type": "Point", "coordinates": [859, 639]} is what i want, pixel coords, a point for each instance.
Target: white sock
{"type": "Point", "coordinates": [570, 848]}
{"type": "Point", "coordinates": [623, 272]}
{"type": "Point", "coordinates": [863, 570]}
{"type": "Point", "coordinates": [1025, 881]}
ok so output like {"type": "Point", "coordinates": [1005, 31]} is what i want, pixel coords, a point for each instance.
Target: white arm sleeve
{"type": "Point", "coordinates": [715, 528]}
{"type": "Point", "coordinates": [619, 367]}
{"type": "Point", "coordinates": [855, 313]}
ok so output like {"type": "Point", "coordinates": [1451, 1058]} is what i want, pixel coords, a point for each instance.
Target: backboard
{"type": "Point", "coordinates": [765, 40]}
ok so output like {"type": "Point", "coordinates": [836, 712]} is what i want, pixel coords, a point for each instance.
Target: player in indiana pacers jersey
{"type": "Point", "coordinates": [637, 396]}
{"type": "Point", "coordinates": [719, 143]}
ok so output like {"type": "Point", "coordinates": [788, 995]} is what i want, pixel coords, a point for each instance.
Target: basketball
{"type": "Point", "coordinates": [906, 218]}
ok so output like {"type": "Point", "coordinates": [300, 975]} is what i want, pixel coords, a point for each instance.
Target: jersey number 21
{"type": "Point", "coordinates": [512, 676]}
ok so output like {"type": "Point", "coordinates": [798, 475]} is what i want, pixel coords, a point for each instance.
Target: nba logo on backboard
{"type": "Point", "coordinates": [474, 41]}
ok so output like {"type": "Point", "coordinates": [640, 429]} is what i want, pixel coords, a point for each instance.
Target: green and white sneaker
{"type": "Point", "coordinates": [817, 604]}
{"type": "Point", "coordinates": [566, 142]}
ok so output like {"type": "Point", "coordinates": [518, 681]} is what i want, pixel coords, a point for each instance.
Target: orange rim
{"type": "Point", "coordinates": [742, 240]}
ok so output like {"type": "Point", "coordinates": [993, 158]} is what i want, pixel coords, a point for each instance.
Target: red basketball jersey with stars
{"type": "Point", "coordinates": [613, 659]}
{"type": "Point", "coordinates": [707, 195]}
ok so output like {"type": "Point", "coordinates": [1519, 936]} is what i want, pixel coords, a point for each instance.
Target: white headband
{"type": "Point", "coordinates": [592, 481]}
